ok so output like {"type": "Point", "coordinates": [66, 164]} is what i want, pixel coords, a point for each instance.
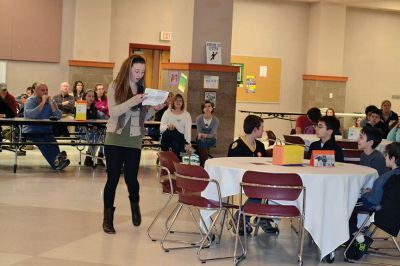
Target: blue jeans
{"type": "Point", "coordinates": [49, 151]}
{"type": "Point", "coordinates": [206, 143]}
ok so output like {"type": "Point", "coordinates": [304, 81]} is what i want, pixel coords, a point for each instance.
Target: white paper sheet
{"type": "Point", "coordinates": [154, 97]}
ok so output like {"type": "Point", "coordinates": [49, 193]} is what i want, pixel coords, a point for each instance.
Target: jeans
{"type": "Point", "coordinates": [117, 157]}
{"type": "Point", "coordinates": [49, 151]}
{"type": "Point", "coordinates": [206, 143]}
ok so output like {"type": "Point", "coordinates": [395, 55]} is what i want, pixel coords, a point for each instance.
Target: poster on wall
{"type": "Point", "coordinates": [239, 77]}
{"type": "Point", "coordinates": [213, 53]}
{"type": "Point", "coordinates": [250, 84]}
{"type": "Point", "coordinates": [182, 82]}
{"type": "Point", "coordinates": [211, 96]}
{"type": "Point", "coordinates": [173, 78]}
{"type": "Point", "coordinates": [211, 82]}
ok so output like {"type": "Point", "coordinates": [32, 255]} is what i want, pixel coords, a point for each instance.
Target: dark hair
{"type": "Point", "coordinates": [331, 122]}
{"type": "Point", "coordinates": [75, 91]}
{"type": "Point", "coordinates": [175, 98]}
{"type": "Point", "coordinates": [86, 92]}
{"type": "Point", "coordinates": [95, 89]}
{"type": "Point", "coordinates": [369, 108]}
{"type": "Point", "coordinates": [393, 150]}
{"type": "Point", "coordinates": [34, 86]}
{"type": "Point", "coordinates": [314, 114]}
{"type": "Point", "coordinates": [123, 90]}
{"type": "Point", "coordinates": [30, 89]}
{"type": "Point", "coordinates": [330, 109]}
{"type": "Point", "coordinates": [204, 105]}
{"type": "Point", "coordinates": [374, 134]}
{"type": "Point", "coordinates": [251, 122]}
{"type": "Point", "coordinates": [377, 112]}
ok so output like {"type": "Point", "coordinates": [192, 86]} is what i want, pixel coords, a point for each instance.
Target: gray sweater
{"type": "Point", "coordinates": [374, 160]}
{"type": "Point", "coordinates": [211, 130]}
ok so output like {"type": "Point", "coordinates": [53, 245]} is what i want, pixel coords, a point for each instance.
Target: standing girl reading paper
{"type": "Point", "coordinates": [124, 137]}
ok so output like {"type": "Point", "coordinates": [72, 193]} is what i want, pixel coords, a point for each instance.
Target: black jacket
{"type": "Point", "coordinates": [387, 217]}
{"type": "Point", "coordinates": [329, 145]}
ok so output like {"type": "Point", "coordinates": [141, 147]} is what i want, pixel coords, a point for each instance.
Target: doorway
{"type": "Point", "coordinates": [154, 55]}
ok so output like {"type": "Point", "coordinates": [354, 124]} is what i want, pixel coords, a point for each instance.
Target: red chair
{"type": "Point", "coordinates": [166, 177]}
{"type": "Point", "coordinates": [293, 140]}
{"type": "Point", "coordinates": [271, 186]}
{"type": "Point", "coordinates": [271, 138]}
{"type": "Point", "coordinates": [352, 156]}
{"type": "Point", "coordinates": [347, 144]}
{"type": "Point", "coordinates": [192, 180]}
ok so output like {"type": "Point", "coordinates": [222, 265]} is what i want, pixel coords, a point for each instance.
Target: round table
{"type": "Point", "coordinates": [331, 192]}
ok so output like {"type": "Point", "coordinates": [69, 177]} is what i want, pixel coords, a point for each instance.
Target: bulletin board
{"type": "Point", "coordinates": [256, 88]}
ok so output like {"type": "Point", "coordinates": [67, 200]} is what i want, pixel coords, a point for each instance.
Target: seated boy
{"type": "Point", "coordinates": [249, 146]}
{"type": "Point", "coordinates": [375, 120]}
{"type": "Point", "coordinates": [371, 199]}
{"type": "Point", "coordinates": [369, 139]}
{"type": "Point", "coordinates": [324, 130]}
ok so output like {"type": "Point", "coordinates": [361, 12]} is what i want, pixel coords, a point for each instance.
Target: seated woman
{"type": "Point", "coordinates": [207, 125]}
{"type": "Point", "coordinates": [176, 127]}
{"type": "Point", "coordinates": [92, 133]}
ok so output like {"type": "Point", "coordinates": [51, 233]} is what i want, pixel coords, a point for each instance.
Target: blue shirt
{"type": "Point", "coordinates": [33, 111]}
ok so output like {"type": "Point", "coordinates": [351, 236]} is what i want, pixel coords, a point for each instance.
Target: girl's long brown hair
{"type": "Point", "coordinates": [123, 91]}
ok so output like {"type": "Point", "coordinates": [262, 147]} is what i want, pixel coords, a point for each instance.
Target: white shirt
{"type": "Point", "coordinates": [182, 123]}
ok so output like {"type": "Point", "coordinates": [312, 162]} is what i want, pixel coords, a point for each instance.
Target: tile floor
{"type": "Point", "coordinates": [54, 218]}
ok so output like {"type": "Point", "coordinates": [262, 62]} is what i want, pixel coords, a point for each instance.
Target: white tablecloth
{"type": "Point", "coordinates": [310, 138]}
{"type": "Point", "coordinates": [331, 193]}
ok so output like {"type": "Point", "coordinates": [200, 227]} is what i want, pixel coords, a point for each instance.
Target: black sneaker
{"type": "Point", "coordinates": [358, 250]}
{"type": "Point", "coordinates": [88, 161]}
{"type": "Point", "coordinates": [267, 227]}
{"type": "Point", "coordinates": [63, 164]}
{"type": "Point", "coordinates": [249, 228]}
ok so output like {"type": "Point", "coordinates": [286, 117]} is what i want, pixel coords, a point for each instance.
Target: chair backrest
{"type": "Point", "coordinates": [167, 159]}
{"type": "Point", "coordinates": [191, 178]}
{"type": "Point", "coordinates": [352, 156]}
{"type": "Point", "coordinates": [289, 139]}
{"type": "Point", "coordinates": [271, 137]}
{"type": "Point", "coordinates": [275, 186]}
{"type": "Point", "coordinates": [347, 144]}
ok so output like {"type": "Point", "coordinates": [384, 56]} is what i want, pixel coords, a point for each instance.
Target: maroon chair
{"type": "Point", "coordinates": [293, 140]}
{"type": "Point", "coordinates": [271, 186]}
{"type": "Point", "coordinates": [192, 180]}
{"type": "Point", "coordinates": [352, 156]}
{"type": "Point", "coordinates": [271, 137]}
{"type": "Point", "coordinates": [347, 144]}
{"type": "Point", "coordinates": [166, 177]}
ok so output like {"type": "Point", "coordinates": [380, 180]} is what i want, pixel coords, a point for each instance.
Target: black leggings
{"type": "Point", "coordinates": [116, 157]}
{"type": "Point", "coordinates": [173, 139]}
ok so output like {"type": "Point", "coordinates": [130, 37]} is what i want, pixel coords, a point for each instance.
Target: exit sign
{"type": "Point", "coordinates": [165, 36]}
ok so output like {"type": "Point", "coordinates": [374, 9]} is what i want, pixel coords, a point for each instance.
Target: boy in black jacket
{"type": "Point", "coordinates": [324, 130]}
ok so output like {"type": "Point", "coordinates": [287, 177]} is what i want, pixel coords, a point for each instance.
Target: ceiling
{"type": "Point", "coordinates": [392, 5]}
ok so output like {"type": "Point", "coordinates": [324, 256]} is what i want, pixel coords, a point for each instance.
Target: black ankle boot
{"type": "Point", "coordinates": [136, 216]}
{"type": "Point", "coordinates": [108, 221]}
